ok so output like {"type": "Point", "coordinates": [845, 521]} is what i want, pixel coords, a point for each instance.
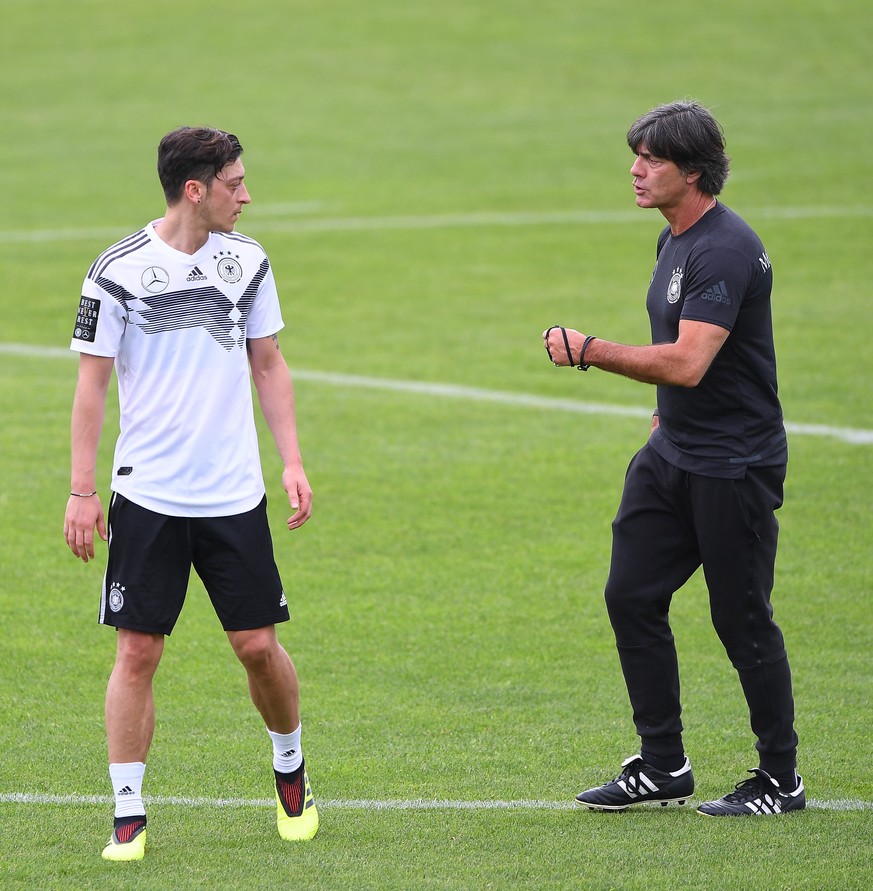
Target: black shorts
{"type": "Point", "coordinates": [150, 560]}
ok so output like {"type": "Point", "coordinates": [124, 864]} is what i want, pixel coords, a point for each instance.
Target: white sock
{"type": "Point", "coordinates": [127, 785]}
{"type": "Point", "coordinates": [287, 754]}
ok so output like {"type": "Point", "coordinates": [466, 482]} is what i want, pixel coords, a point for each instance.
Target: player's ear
{"type": "Point", "coordinates": [692, 176]}
{"type": "Point", "coordinates": [195, 191]}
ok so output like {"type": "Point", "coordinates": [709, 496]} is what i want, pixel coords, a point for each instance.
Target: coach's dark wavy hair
{"type": "Point", "coordinates": [199, 153]}
{"type": "Point", "coordinates": [687, 134]}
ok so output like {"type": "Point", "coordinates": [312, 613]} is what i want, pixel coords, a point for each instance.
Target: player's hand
{"type": "Point", "coordinates": [299, 495]}
{"type": "Point", "coordinates": [82, 517]}
{"type": "Point", "coordinates": [563, 344]}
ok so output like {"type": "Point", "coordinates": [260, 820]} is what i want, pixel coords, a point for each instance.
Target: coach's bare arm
{"type": "Point", "coordinates": [84, 511]}
{"type": "Point", "coordinates": [276, 397]}
{"type": "Point", "coordinates": [680, 364]}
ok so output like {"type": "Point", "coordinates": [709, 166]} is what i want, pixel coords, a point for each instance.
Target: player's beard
{"type": "Point", "coordinates": [214, 222]}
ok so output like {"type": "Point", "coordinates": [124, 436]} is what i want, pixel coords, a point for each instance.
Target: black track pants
{"type": "Point", "coordinates": [668, 524]}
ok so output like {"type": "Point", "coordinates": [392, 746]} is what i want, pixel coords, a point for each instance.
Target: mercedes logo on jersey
{"type": "Point", "coordinates": [155, 279]}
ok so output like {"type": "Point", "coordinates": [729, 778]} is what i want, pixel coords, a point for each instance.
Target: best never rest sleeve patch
{"type": "Point", "coordinates": [86, 319]}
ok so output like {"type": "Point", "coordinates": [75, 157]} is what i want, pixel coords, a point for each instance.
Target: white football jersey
{"type": "Point", "coordinates": [177, 325]}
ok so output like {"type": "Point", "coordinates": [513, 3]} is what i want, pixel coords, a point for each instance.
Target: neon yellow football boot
{"type": "Point", "coordinates": [127, 842]}
{"type": "Point", "coordinates": [296, 813]}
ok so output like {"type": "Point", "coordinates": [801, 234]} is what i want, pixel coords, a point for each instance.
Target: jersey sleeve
{"type": "Point", "coordinates": [100, 322]}
{"type": "Point", "coordinates": [265, 316]}
{"type": "Point", "coordinates": [717, 280]}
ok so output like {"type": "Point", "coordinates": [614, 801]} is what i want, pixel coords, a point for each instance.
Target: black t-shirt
{"type": "Point", "coordinates": [718, 272]}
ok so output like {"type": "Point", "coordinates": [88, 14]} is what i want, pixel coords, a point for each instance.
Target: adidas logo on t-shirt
{"type": "Point", "coordinates": [196, 275]}
{"type": "Point", "coordinates": [717, 294]}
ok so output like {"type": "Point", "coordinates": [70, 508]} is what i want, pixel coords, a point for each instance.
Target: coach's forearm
{"type": "Point", "coordinates": [682, 363]}
{"type": "Point", "coordinates": [663, 364]}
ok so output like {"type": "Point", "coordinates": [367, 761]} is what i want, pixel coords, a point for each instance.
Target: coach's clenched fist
{"type": "Point", "coordinates": [566, 346]}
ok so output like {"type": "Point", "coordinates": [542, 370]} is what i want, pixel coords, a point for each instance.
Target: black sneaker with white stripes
{"type": "Point", "coordinates": [640, 783]}
{"type": "Point", "coordinates": [760, 795]}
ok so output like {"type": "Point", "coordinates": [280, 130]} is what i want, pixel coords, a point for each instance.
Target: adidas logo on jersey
{"type": "Point", "coordinates": [196, 275]}
{"type": "Point", "coordinates": [283, 601]}
{"type": "Point", "coordinates": [717, 294]}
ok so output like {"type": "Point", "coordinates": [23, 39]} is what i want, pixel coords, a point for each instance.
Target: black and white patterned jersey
{"type": "Point", "coordinates": [176, 325]}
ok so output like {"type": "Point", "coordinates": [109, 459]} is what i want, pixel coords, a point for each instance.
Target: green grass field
{"type": "Point", "coordinates": [435, 184]}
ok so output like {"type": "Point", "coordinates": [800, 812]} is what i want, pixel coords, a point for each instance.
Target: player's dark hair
{"type": "Point", "coordinates": [199, 153]}
{"type": "Point", "coordinates": [687, 134]}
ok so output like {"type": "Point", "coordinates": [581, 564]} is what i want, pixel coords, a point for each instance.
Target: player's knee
{"type": "Point", "coordinates": [138, 652]}
{"type": "Point", "coordinates": [256, 649]}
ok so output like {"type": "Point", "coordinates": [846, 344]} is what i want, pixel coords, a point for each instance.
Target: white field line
{"type": "Point", "coordinates": [852, 435]}
{"type": "Point", "coordinates": [367, 804]}
{"type": "Point", "coordinates": [274, 219]}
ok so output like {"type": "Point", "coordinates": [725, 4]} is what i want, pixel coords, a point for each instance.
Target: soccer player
{"type": "Point", "coordinates": [705, 487]}
{"type": "Point", "coordinates": [184, 309]}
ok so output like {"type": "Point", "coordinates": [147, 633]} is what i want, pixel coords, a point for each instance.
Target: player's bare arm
{"type": "Point", "coordinates": [681, 364]}
{"type": "Point", "coordinates": [276, 397]}
{"type": "Point", "coordinates": [84, 511]}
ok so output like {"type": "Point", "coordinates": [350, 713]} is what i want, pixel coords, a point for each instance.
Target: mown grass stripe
{"type": "Point", "coordinates": [266, 218]}
{"type": "Point", "coordinates": [388, 804]}
{"type": "Point", "coordinates": [851, 435]}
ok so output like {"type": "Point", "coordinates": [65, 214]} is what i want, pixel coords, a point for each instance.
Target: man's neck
{"type": "Point", "coordinates": [689, 212]}
{"type": "Point", "coordinates": [181, 232]}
